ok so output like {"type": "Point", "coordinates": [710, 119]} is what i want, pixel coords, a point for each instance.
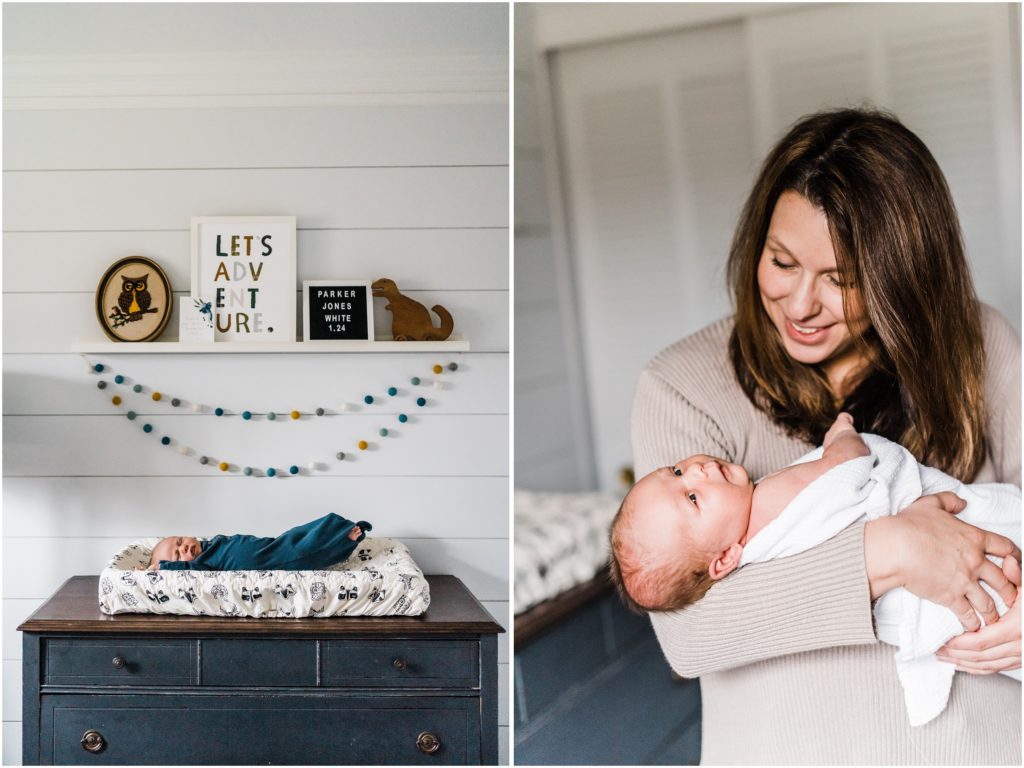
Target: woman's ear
{"type": "Point", "coordinates": [726, 562]}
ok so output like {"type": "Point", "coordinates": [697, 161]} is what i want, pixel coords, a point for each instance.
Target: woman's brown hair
{"type": "Point", "coordinates": [899, 248]}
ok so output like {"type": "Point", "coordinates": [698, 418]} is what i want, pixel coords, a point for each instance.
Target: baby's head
{"type": "Point", "coordinates": [678, 530]}
{"type": "Point", "coordinates": [183, 548]}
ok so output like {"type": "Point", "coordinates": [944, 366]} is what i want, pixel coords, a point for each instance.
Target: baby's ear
{"type": "Point", "coordinates": [725, 562]}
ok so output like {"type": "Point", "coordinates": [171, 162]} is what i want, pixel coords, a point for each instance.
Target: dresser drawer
{"type": "Point", "coordinates": [398, 663]}
{"type": "Point", "coordinates": [253, 730]}
{"type": "Point", "coordinates": [243, 662]}
{"type": "Point", "coordinates": [115, 662]}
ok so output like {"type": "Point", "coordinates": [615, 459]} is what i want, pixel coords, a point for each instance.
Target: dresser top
{"type": "Point", "coordinates": [74, 608]}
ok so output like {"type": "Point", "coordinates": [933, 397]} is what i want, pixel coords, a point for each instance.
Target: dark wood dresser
{"type": "Point", "coordinates": [194, 690]}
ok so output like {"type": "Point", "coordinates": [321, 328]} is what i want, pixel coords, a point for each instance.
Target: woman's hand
{"type": "Point", "coordinates": [994, 647]}
{"type": "Point", "coordinates": [932, 553]}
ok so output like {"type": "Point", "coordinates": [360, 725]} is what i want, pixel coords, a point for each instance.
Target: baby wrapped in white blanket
{"type": "Point", "coordinates": [868, 487]}
{"type": "Point", "coordinates": [682, 527]}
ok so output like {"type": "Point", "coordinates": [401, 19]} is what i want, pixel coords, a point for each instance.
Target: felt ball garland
{"type": "Point", "coordinates": [248, 416]}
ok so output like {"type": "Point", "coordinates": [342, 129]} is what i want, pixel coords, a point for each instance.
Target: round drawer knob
{"type": "Point", "coordinates": [428, 742]}
{"type": "Point", "coordinates": [118, 663]}
{"type": "Point", "coordinates": [399, 664]}
{"type": "Point", "coordinates": [93, 741]}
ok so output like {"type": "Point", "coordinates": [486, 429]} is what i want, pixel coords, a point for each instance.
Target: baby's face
{"type": "Point", "coordinates": [183, 548]}
{"type": "Point", "coordinates": [700, 502]}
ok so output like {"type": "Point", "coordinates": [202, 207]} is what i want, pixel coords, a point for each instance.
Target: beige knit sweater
{"type": "Point", "coordinates": [791, 672]}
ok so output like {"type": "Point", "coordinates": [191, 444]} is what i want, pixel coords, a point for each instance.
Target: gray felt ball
{"type": "Point", "coordinates": [341, 455]}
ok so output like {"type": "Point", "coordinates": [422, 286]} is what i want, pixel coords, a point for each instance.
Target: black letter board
{"type": "Point", "coordinates": [338, 311]}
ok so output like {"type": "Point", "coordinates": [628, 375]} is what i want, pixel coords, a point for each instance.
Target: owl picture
{"type": "Point", "coordinates": [134, 298]}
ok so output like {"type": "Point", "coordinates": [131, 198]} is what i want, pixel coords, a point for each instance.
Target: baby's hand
{"type": "Point", "coordinates": [843, 423]}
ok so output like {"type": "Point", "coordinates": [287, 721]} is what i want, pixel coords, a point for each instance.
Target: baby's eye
{"type": "Point", "coordinates": [677, 471]}
{"type": "Point", "coordinates": [693, 498]}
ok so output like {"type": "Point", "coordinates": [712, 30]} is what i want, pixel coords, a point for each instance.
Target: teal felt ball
{"type": "Point", "coordinates": [293, 469]}
{"type": "Point", "coordinates": [271, 415]}
{"type": "Point", "coordinates": [98, 367]}
{"type": "Point", "coordinates": [130, 415]}
{"type": "Point", "coordinates": [137, 388]}
{"type": "Point", "coordinates": [165, 440]}
{"type": "Point", "coordinates": [415, 381]}
{"type": "Point", "coordinates": [271, 472]}
{"type": "Point", "coordinates": [383, 432]}
{"type": "Point", "coordinates": [421, 401]}
{"type": "Point", "coordinates": [368, 399]}
{"type": "Point", "coordinates": [246, 415]}
{"type": "Point", "coordinates": [119, 379]}
{"type": "Point", "coordinates": [392, 391]}
{"type": "Point", "coordinates": [218, 411]}
{"type": "Point", "coordinates": [147, 428]}
{"type": "Point", "coordinates": [403, 418]}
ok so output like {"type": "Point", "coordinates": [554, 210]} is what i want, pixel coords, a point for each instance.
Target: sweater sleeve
{"type": "Point", "coordinates": [1002, 395]}
{"type": "Point", "coordinates": [817, 599]}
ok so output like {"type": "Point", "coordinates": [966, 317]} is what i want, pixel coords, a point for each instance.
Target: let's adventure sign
{"type": "Point", "coordinates": [245, 267]}
{"type": "Point", "coordinates": [337, 310]}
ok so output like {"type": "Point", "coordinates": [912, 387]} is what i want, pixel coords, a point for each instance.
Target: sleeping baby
{"type": "Point", "coordinates": [680, 528]}
{"type": "Point", "coordinates": [314, 545]}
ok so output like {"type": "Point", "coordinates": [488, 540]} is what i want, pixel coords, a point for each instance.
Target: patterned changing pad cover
{"type": "Point", "coordinates": [561, 540]}
{"type": "Point", "coordinates": [379, 579]}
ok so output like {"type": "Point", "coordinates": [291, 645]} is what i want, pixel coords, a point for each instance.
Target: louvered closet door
{"type": "Point", "coordinates": [660, 138]}
{"type": "Point", "coordinates": [657, 151]}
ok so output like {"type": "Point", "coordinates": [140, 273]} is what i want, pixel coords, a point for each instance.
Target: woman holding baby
{"type": "Point", "coordinates": [852, 293]}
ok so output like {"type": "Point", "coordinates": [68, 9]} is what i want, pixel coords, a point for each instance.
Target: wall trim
{"type": "Point", "coordinates": [56, 81]}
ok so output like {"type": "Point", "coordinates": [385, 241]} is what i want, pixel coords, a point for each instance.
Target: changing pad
{"type": "Point", "coordinates": [379, 579]}
{"type": "Point", "coordinates": [561, 540]}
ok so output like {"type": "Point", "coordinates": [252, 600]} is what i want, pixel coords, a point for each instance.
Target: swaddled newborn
{"type": "Point", "coordinates": [318, 544]}
{"type": "Point", "coordinates": [682, 527]}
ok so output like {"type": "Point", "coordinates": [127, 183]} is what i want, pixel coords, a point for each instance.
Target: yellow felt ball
{"type": "Point", "coordinates": [363, 445]}
{"type": "Point", "coordinates": [223, 466]}
{"type": "Point", "coordinates": [295, 414]}
{"type": "Point", "coordinates": [116, 399]}
{"type": "Point", "coordinates": [156, 395]}
{"type": "Point", "coordinates": [438, 369]}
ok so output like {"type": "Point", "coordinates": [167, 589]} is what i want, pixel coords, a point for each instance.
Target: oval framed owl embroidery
{"type": "Point", "coordinates": [134, 300]}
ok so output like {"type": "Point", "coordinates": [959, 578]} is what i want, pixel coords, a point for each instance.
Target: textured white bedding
{"type": "Point", "coordinates": [379, 579]}
{"type": "Point", "coordinates": [561, 540]}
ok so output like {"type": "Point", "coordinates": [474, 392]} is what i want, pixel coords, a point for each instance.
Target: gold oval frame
{"type": "Point", "coordinates": [113, 269]}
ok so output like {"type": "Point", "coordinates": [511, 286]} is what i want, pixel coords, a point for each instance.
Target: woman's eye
{"type": "Point", "coordinates": [782, 265]}
{"type": "Point", "coordinates": [836, 282]}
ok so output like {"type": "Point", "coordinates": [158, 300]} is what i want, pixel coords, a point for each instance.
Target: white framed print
{"type": "Point", "coordinates": [245, 266]}
{"type": "Point", "coordinates": [337, 310]}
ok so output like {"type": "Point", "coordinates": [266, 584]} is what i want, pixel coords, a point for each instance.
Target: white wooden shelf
{"type": "Point", "coordinates": [456, 343]}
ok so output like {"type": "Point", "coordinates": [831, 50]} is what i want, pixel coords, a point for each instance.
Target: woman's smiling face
{"type": "Point", "coordinates": [802, 292]}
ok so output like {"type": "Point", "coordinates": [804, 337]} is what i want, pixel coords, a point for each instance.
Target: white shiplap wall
{"type": "Point", "coordinates": [384, 129]}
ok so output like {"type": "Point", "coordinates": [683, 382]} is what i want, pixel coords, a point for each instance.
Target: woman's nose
{"type": "Point", "coordinates": [803, 301]}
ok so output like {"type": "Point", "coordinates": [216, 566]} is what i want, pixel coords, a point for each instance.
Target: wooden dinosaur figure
{"type": "Point", "coordinates": [410, 320]}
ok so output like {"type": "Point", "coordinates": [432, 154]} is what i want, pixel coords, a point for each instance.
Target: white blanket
{"type": "Point", "coordinates": [870, 487]}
